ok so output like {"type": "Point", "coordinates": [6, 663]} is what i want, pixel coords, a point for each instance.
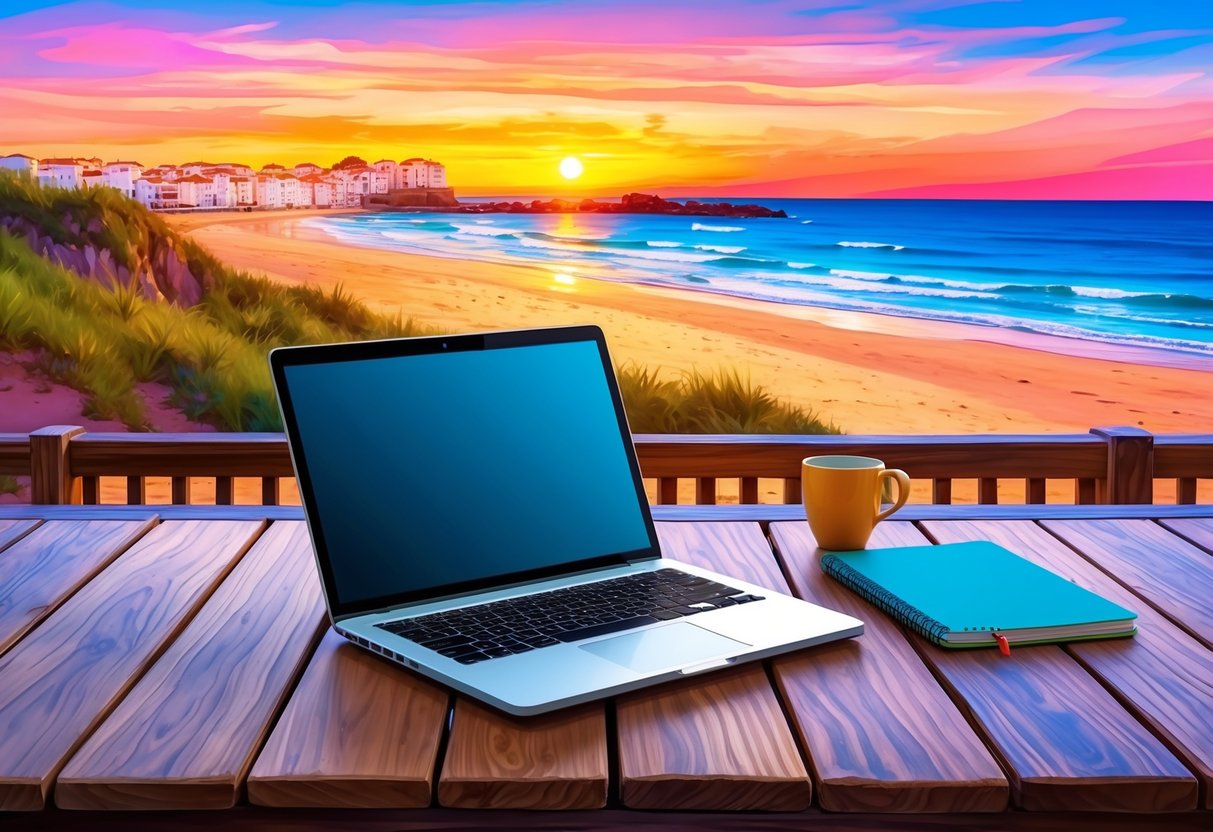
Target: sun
{"type": "Point", "coordinates": [571, 167]}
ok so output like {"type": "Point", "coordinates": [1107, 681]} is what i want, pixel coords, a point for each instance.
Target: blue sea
{"type": "Point", "coordinates": [1128, 273]}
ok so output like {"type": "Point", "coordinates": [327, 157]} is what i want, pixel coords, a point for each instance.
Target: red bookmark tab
{"type": "Point", "coordinates": [1004, 646]}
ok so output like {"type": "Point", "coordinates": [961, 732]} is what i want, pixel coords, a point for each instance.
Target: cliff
{"type": "Point", "coordinates": [102, 236]}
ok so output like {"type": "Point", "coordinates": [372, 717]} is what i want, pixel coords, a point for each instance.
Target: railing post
{"type": "Point", "coordinates": [51, 480]}
{"type": "Point", "coordinates": [1130, 476]}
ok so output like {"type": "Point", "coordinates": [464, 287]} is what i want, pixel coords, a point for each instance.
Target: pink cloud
{"type": "Point", "coordinates": [1192, 182]}
{"type": "Point", "coordinates": [116, 45]}
{"type": "Point", "coordinates": [1197, 150]}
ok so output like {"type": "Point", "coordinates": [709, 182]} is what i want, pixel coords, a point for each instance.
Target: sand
{"type": "Point", "coordinates": [870, 374]}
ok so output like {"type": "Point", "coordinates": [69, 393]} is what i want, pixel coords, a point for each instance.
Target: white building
{"type": "Point", "coordinates": [121, 175]}
{"type": "Point", "coordinates": [279, 190]}
{"type": "Point", "coordinates": [307, 169]}
{"type": "Point", "coordinates": [22, 164]}
{"type": "Point", "coordinates": [246, 190]}
{"type": "Point", "coordinates": [60, 173]}
{"type": "Point", "coordinates": [156, 193]}
{"type": "Point", "coordinates": [196, 192]}
{"type": "Point", "coordinates": [422, 173]}
{"type": "Point", "coordinates": [391, 170]}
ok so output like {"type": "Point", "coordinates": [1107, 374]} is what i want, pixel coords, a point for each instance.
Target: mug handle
{"type": "Point", "coordinates": [903, 489]}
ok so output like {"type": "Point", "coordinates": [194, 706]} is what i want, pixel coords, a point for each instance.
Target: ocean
{"type": "Point", "coordinates": [1138, 274]}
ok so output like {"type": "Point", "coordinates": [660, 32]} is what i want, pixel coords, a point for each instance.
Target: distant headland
{"type": "Point", "coordinates": [629, 204]}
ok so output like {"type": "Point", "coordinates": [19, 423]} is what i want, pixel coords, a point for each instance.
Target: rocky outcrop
{"type": "Point", "coordinates": [629, 204]}
{"type": "Point", "coordinates": [160, 272]}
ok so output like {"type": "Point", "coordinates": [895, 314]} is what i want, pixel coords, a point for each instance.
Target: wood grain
{"type": "Point", "coordinates": [1198, 531]}
{"type": "Point", "coordinates": [43, 569]}
{"type": "Point", "coordinates": [14, 530]}
{"type": "Point", "coordinates": [59, 682]}
{"type": "Point", "coordinates": [185, 736]}
{"type": "Point", "coordinates": [1165, 570]}
{"type": "Point", "coordinates": [883, 735]}
{"type": "Point", "coordinates": [721, 742]}
{"type": "Point", "coordinates": [358, 732]}
{"type": "Point", "coordinates": [552, 761]}
{"type": "Point", "coordinates": [715, 743]}
{"type": "Point", "coordinates": [1162, 674]}
{"type": "Point", "coordinates": [1066, 743]}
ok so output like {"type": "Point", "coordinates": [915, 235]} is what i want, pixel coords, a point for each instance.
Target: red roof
{"type": "Point", "coordinates": [201, 179]}
{"type": "Point", "coordinates": [60, 162]}
{"type": "Point", "coordinates": [19, 156]}
{"type": "Point", "coordinates": [111, 164]}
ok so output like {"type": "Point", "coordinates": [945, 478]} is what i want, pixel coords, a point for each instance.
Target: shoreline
{"type": "Point", "coordinates": [869, 373]}
{"type": "Point", "coordinates": [920, 326]}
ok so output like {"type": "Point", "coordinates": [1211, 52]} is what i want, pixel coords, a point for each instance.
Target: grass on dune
{"type": "Point", "coordinates": [104, 340]}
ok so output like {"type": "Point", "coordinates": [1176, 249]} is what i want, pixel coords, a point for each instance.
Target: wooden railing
{"type": "Point", "coordinates": [65, 464]}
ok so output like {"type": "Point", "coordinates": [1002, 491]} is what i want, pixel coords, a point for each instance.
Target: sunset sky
{"type": "Point", "coordinates": [936, 98]}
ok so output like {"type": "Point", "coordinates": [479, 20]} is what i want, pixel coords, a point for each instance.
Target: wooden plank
{"type": "Point", "coordinates": [57, 684]}
{"type": "Point", "coordinates": [1168, 572]}
{"type": "Point", "coordinates": [271, 491]}
{"type": "Point", "coordinates": [182, 454]}
{"type": "Point", "coordinates": [1185, 490]}
{"type": "Point", "coordinates": [941, 491]}
{"type": "Point", "coordinates": [987, 490]}
{"type": "Point", "coordinates": [182, 488]}
{"type": "Point", "coordinates": [705, 491]}
{"type": "Point", "coordinates": [185, 736]}
{"type": "Point", "coordinates": [1198, 531]}
{"type": "Point", "coordinates": [359, 732]}
{"type": "Point", "coordinates": [792, 493]}
{"type": "Point", "coordinates": [552, 761]}
{"type": "Point", "coordinates": [721, 742]}
{"type": "Point", "coordinates": [223, 491]}
{"type": "Point", "coordinates": [1086, 491]}
{"type": "Point", "coordinates": [749, 490]}
{"type": "Point", "coordinates": [43, 569]}
{"type": "Point", "coordinates": [667, 491]}
{"type": "Point", "coordinates": [1065, 742]}
{"type": "Point", "coordinates": [1162, 674]}
{"type": "Point", "coordinates": [90, 490]}
{"type": "Point", "coordinates": [13, 530]}
{"type": "Point", "coordinates": [1037, 490]}
{"type": "Point", "coordinates": [922, 457]}
{"type": "Point", "coordinates": [883, 735]}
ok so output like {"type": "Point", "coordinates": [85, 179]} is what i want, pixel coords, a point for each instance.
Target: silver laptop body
{"type": "Point", "coordinates": [459, 487]}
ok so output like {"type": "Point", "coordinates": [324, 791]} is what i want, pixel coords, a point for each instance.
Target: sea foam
{"type": "Point", "coordinates": [866, 244]}
{"type": "Point", "coordinates": [698, 226]}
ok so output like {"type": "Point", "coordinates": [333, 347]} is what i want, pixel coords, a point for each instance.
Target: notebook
{"type": "Point", "coordinates": [479, 517]}
{"type": "Point", "coordinates": [977, 594]}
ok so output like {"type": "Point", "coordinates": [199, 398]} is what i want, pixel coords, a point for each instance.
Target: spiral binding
{"type": "Point", "coordinates": [912, 617]}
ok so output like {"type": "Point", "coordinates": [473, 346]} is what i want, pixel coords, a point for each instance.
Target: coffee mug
{"type": "Point", "coordinates": [842, 498]}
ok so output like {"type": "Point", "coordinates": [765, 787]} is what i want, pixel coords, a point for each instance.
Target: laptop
{"type": "Point", "coordinates": [478, 516]}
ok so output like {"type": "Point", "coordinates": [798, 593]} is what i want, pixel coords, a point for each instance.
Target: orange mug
{"type": "Point", "coordinates": [842, 498]}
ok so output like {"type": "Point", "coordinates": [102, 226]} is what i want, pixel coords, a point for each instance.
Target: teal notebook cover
{"type": "Point", "coordinates": [961, 594]}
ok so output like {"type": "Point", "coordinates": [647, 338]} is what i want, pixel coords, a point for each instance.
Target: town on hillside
{"type": "Point", "coordinates": [349, 183]}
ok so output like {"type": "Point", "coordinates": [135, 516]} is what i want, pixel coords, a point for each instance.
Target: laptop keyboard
{"type": "Point", "coordinates": [531, 622]}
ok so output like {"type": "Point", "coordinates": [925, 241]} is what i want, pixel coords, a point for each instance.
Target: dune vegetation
{"type": "Point", "coordinates": [103, 337]}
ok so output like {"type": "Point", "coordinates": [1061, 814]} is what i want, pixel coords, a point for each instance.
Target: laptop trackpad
{"type": "Point", "coordinates": [659, 648]}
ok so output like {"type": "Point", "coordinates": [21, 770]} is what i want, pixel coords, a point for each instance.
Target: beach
{"type": "Point", "coordinates": [868, 373]}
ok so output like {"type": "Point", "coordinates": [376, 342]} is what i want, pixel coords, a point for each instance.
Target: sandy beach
{"type": "Point", "coordinates": [868, 373]}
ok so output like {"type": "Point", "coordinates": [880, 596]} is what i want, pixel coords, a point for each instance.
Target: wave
{"type": "Point", "coordinates": [866, 244]}
{"type": "Point", "coordinates": [722, 249]}
{"type": "Point", "coordinates": [805, 222]}
{"type": "Point", "coordinates": [724, 229]}
{"type": "Point", "coordinates": [662, 244]}
{"type": "Point", "coordinates": [482, 231]}
{"type": "Point", "coordinates": [792, 265]}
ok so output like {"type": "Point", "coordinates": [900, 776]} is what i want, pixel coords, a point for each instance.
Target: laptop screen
{"type": "Point", "coordinates": [429, 471]}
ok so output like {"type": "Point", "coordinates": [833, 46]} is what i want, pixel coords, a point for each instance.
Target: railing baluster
{"type": "Point", "coordinates": [941, 491]}
{"type": "Point", "coordinates": [271, 491]}
{"type": "Point", "coordinates": [1185, 491]}
{"type": "Point", "coordinates": [705, 491]}
{"type": "Point", "coordinates": [987, 491]}
{"type": "Point", "coordinates": [667, 491]}
{"type": "Point", "coordinates": [89, 490]}
{"type": "Point", "coordinates": [136, 491]}
{"type": "Point", "coordinates": [749, 491]}
{"type": "Point", "coordinates": [1085, 491]}
{"type": "Point", "coordinates": [791, 491]}
{"type": "Point", "coordinates": [1037, 491]}
{"type": "Point", "coordinates": [223, 491]}
{"type": "Point", "coordinates": [182, 490]}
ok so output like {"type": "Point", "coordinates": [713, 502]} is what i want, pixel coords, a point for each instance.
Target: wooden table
{"type": "Point", "coordinates": [179, 659]}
